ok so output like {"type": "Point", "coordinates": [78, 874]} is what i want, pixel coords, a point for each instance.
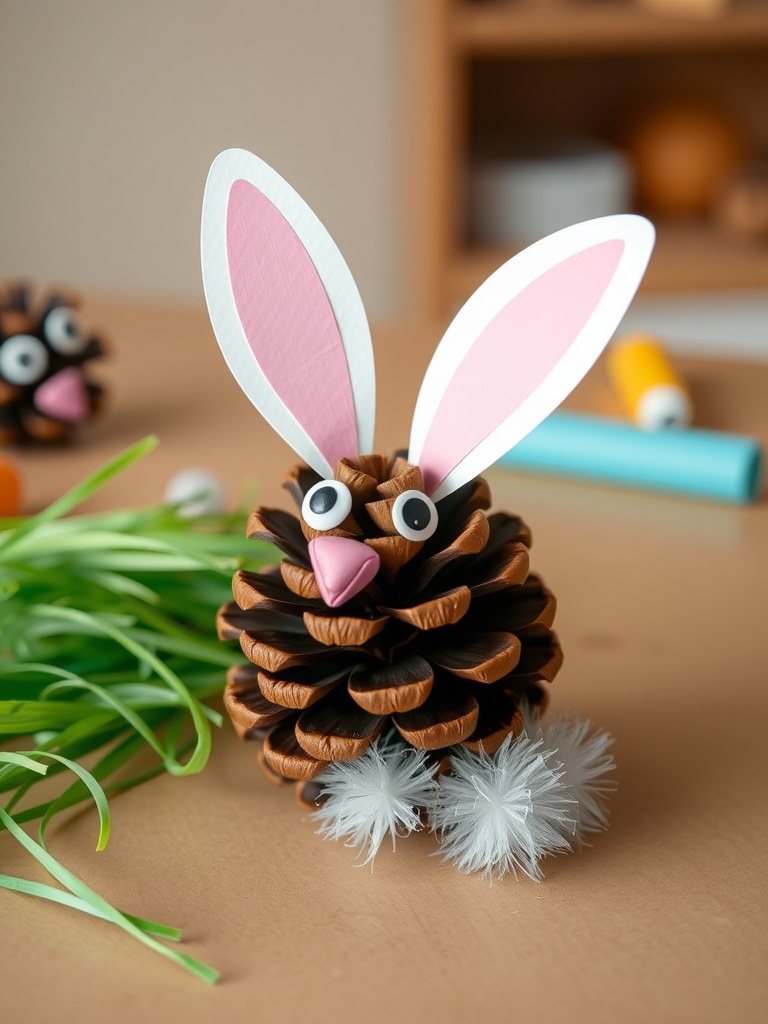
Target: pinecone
{"type": "Point", "coordinates": [444, 643]}
{"type": "Point", "coordinates": [43, 389]}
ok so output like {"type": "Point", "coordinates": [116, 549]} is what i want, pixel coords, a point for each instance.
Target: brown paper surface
{"type": "Point", "coordinates": [662, 615]}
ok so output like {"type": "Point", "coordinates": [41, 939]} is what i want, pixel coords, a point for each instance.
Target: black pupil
{"type": "Point", "coordinates": [323, 500]}
{"type": "Point", "coordinates": [25, 358]}
{"type": "Point", "coordinates": [69, 328]}
{"type": "Point", "coordinates": [416, 514]}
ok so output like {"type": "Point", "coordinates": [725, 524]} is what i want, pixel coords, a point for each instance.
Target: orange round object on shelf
{"type": "Point", "coordinates": [683, 152]}
{"type": "Point", "coordinates": [10, 489]}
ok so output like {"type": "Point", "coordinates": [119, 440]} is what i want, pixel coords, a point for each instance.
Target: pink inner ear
{"type": "Point", "coordinates": [288, 321]}
{"type": "Point", "coordinates": [514, 354]}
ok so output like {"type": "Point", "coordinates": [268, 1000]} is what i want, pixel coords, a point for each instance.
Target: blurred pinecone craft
{"type": "Point", "coordinates": [46, 391]}
{"type": "Point", "coordinates": [446, 641]}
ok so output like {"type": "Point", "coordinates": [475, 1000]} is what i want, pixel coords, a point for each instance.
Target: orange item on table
{"type": "Point", "coordinates": [10, 489]}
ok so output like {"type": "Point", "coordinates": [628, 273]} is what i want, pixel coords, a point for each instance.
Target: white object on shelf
{"type": "Point", "coordinates": [518, 198]}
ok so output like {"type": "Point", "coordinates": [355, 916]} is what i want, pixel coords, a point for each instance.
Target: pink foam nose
{"type": "Point", "coordinates": [342, 567]}
{"type": "Point", "coordinates": [63, 396]}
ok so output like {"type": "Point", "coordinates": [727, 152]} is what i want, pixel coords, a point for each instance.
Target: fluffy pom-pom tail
{"type": "Point", "coordinates": [584, 761]}
{"type": "Point", "coordinates": [503, 812]}
{"type": "Point", "coordinates": [380, 793]}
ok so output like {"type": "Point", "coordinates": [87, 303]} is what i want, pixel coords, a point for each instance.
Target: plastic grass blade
{"type": "Point", "coordinates": [11, 757]}
{"type": "Point", "coordinates": [81, 492]}
{"type": "Point", "coordinates": [50, 892]}
{"type": "Point", "coordinates": [93, 787]}
{"type": "Point", "coordinates": [108, 649]}
{"type": "Point", "coordinates": [29, 760]}
{"type": "Point", "coordinates": [77, 793]}
{"type": "Point", "coordinates": [100, 905]}
{"type": "Point", "coordinates": [203, 747]}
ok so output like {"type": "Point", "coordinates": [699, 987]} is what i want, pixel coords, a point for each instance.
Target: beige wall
{"type": "Point", "coordinates": [111, 111]}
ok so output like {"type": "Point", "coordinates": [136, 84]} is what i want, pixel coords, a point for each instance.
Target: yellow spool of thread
{"type": "Point", "coordinates": [646, 384]}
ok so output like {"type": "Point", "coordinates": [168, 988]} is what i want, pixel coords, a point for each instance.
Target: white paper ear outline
{"type": "Point", "coordinates": [336, 278]}
{"type": "Point", "coordinates": [492, 296]}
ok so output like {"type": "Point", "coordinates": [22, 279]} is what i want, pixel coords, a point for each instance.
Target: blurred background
{"type": "Point", "coordinates": [432, 137]}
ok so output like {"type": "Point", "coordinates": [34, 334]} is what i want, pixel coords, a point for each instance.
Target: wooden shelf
{"type": "Point", "coordinates": [687, 258]}
{"type": "Point", "coordinates": [514, 29]}
{"type": "Point", "coordinates": [502, 67]}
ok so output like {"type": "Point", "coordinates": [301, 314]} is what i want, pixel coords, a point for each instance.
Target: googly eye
{"type": "Point", "coordinates": [326, 505]}
{"type": "Point", "coordinates": [23, 359]}
{"type": "Point", "coordinates": [414, 515]}
{"type": "Point", "coordinates": [62, 332]}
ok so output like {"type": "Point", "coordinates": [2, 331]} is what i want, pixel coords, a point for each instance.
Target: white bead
{"type": "Point", "coordinates": [196, 492]}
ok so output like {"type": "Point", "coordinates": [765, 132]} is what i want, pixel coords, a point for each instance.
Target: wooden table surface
{"type": "Point", "coordinates": [662, 614]}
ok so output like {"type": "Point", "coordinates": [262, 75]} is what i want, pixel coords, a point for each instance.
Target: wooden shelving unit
{"type": "Point", "coordinates": [687, 257]}
{"type": "Point", "coordinates": [456, 45]}
{"type": "Point", "coordinates": [510, 28]}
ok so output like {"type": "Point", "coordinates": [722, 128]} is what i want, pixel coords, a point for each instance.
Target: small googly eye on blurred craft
{"type": "Point", "coordinates": [63, 333]}
{"type": "Point", "coordinates": [23, 360]}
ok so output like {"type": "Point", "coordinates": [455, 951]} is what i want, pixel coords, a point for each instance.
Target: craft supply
{"type": "Point", "coordinates": [10, 488]}
{"type": "Point", "coordinates": [108, 656]}
{"type": "Point", "coordinates": [544, 186]}
{"type": "Point", "coordinates": [646, 384]}
{"type": "Point", "coordinates": [697, 463]}
{"type": "Point", "coordinates": [195, 492]}
{"type": "Point", "coordinates": [45, 391]}
{"type": "Point", "coordinates": [403, 621]}
{"type": "Point", "coordinates": [683, 151]}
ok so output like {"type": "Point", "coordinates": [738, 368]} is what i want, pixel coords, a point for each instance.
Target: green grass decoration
{"type": "Point", "coordinates": [107, 647]}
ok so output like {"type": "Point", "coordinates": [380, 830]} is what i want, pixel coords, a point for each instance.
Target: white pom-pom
{"type": "Point", "coordinates": [378, 794]}
{"type": "Point", "coordinates": [503, 812]}
{"type": "Point", "coordinates": [584, 761]}
{"type": "Point", "coordinates": [531, 721]}
{"type": "Point", "coordinates": [196, 492]}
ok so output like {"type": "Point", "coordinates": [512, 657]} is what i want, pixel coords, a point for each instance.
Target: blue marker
{"type": "Point", "coordinates": [699, 463]}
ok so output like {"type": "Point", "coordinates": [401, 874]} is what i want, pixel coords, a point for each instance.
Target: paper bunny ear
{"type": "Point", "coordinates": [521, 343]}
{"type": "Point", "coordinates": [286, 312]}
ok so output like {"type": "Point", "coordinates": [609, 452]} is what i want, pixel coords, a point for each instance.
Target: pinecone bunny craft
{"type": "Point", "coordinates": [400, 654]}
{"type": "Point", "coordinates": [46, 391]}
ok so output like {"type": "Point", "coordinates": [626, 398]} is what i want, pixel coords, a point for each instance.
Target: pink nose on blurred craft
{"type": "Point", "coordinates": [63, 396]}
{"type": "Point", "coordinates": [342, 567]}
